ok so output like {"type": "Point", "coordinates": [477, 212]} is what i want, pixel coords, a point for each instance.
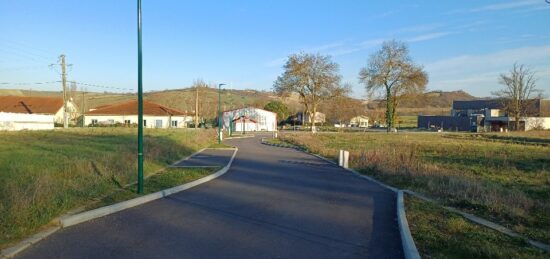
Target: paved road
{"type": "Point", "coordinates": [273, 203]}
{"type": "Point", "coordinates": [208, 158]}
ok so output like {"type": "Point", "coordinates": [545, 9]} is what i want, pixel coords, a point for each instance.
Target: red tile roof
{"type": "Point", "coordinates": [38, 105]}
{"type": "Point", "coordinates": [131, 108]}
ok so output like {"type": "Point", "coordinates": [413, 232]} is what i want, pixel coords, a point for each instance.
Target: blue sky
{"type": "Point", "coordinates": [462, 44]}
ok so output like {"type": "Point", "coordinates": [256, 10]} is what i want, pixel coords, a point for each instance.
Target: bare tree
{"type": "Point", "coordinates": [518, 92]}
{"type": "Point", "coordinates": [314, 77]}
{"type": "Point", "coordinates": [392, 70]}
{"type": "Point", "coordinates": [197, 85]}
{"type": "Point", "coordinates": [342, 109]}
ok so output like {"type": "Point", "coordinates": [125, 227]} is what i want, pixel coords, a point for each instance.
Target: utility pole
{"type": "Point", "coordinates": [197, 107]}
{"type": "Point", "coordinates": [140, 105]}
{"type": "Point", "coordinates": [82, 108]}
{"type": "Point", "coordinates": [220, 121]}
{"type": "Point", "coordinates": [64, 82]}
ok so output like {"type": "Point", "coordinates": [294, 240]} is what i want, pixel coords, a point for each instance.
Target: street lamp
{"type": "Point", "coordinates": [220, 113]}
{"type": "Point", "coordinates": [140, 105]}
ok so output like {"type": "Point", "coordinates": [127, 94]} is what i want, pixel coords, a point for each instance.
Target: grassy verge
{"type": "Point", "coordinates": [278, 142]}
{"type": "Point", "coordinates": [222, 145]}
{"type": "Point", "coordinates": [503, 181]}
{"type": "Point", "coordinates": [44, 174]}
{"type": "Point", "coordinates": [168, 178]}
{"type": "Point", "coordinates": [439, 233]}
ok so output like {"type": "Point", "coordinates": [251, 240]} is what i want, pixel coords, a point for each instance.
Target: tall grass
{"type": "Point", "coordinates": [46, 173]}
{"type": "Point", "coordinates": [506, 182]}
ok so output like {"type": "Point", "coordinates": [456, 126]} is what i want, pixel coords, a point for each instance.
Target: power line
{"type": "Point", "coordinates": [104, 86]}
{"type": "Point", "coordinates": [27, 48]}
{"type": "Point", "coordinates": [29, 83]}
{"type": "Point", "coordinates": [23, 68]}
{"type": "Point", "coordinates": [76, 82]}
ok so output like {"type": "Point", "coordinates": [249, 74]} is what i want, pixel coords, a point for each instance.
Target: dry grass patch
{"type": "Point", "coordinates": [505, 182]}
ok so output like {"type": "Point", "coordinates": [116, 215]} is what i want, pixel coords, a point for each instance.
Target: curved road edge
{"type": "Point", "coordinates": [71, 220]}
{"type": "Point", "coordinates": [409, 248]}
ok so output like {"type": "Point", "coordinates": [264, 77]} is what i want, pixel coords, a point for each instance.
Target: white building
{"type": "Point", "coordinates": [154, 115]}
{"type": "Point", "coordinates": [33, 113]}
{"type": "Point", "coordinates": [250, 119]}
{"type": "Point", "coordinates": [18, 121]}
{"type": "Point", "coordinates": [320, 118]}
{"type": "Point", "coordinates": [359, 121]}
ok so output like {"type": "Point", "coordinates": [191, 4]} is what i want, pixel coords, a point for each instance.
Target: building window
{"type": "Point", "coordinates": [175, 124]}
{"type": "Point", "coordinates": [127, 122]}
{"type": "Point", "coordinates": [144, 123]}
{"type": "Point", "coordinates": [158, 123]}
{"type": "Point", "coordinates": [94, 122]}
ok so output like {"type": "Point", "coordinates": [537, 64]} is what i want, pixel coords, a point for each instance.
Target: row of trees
{"type": "Point", "coordinates": [315, 78]}
{"type": "Point", "coordinates": [391, 72]}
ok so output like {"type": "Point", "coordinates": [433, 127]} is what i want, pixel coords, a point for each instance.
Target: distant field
{"type": "Point", "coordinates": [491, 175]}
{"type": "Point", "coordinates": [46, 173]}
{"type": "Point", "coordinates": [407, 121]}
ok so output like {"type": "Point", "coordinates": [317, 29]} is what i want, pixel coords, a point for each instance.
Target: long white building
{"type": "Point", "coordinates": [34, 113]}
{"type": "Point", "coordinates": [154, 115]}
{"type": "Point", "coordinates": [250, 119]}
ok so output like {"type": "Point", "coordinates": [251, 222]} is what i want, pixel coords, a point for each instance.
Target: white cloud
{"type": "Point", "coordinates": [527, 55]}
{"type": "Point", "coordinates": [420, 28]}
{"type": "Point", "coordinates": [428, 36]}
{"type": "Point", "coordinates": [508, 5]}
{"type": "Point", "coordinates": [478, 74]}
{"type": "Point", "coordinates": [343, 48]}
{"type": "Point", "coordinates": [332, 49]}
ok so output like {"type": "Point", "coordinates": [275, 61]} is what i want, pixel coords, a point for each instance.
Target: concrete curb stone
{"type": "Point", "coordinates": [69, 220]}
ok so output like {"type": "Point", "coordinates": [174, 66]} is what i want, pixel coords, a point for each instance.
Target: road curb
{"type": "Point", "coordinates": [239, 137]}
{"type": "Point", "coordinates": [483, 222]}
{"type": "Point", "coordinates": [404, 229]}
{"type": "Point", "coordinates": [24, 244]}
{"type": "Point", "coordinates": [103, 211]}
{"type": "Point", "coordinates": [409, 248]}
{"type": "Point", "coordinates": [70, 220]}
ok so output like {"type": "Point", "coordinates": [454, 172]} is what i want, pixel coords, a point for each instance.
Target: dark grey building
{"type": "Point", "coordinates": [488, 115]}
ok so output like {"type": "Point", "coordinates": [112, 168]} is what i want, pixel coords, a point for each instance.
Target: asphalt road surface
{"type": "Point", "coordinates": [208, 158]}
{"type": "Point", "coordinates": [273, 203]}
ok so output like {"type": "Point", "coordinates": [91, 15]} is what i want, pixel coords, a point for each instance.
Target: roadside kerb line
{"type": "Point", "coordinates": [468, 216]}
{"type": "Point", "coordinates": [103, 211]}
{"type": "Point", "coordinates": [483, 222]}
{"type": "Point", "coordinates": [250, 136]}
{"type": "Point", "coordinates": [70, 220]}
{"type": "Point", "coordinates": [409, 248]}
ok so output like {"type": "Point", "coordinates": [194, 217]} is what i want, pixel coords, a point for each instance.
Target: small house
{"type": "Point", "coordinates": [34, 113]}
{"type": "Point", "coordinates": [320, 118]}
{"type": "Point", "coordinates": [249, 119]}
{"type": "Point", "coordinates": [126, 114]}
{"type": "Point", "coordinates": [359, 121]}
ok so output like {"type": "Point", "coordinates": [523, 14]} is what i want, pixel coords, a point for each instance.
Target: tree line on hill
{"type": "Point", "coordinates": [390, 72]}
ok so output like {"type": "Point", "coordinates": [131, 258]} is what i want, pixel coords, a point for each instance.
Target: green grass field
{"type": "Point", "coordinates": [502, 177]}
{"type": "Point", "coordinates": [44, 174]}
{"type": "Point", "coordinates": [439, 233]}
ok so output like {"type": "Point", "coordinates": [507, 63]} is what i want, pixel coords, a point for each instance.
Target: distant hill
{"type": "Point", "coordinates": [434, 102]}
{"type": "Point", "coordinates": [181, 99]}
{"type": "Point", "coordinates": [433, 99]}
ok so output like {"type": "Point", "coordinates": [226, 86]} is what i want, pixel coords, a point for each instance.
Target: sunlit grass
{"type": "Point", "coordinates": [439, 233]}
{"type": "Point", "coordinates": [504, 181]}
{"type": "Point", "coordinates": [46, 173]}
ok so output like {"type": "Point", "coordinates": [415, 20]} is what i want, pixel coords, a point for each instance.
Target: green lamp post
{"type": "Point", "coordinates": [140, 105]}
